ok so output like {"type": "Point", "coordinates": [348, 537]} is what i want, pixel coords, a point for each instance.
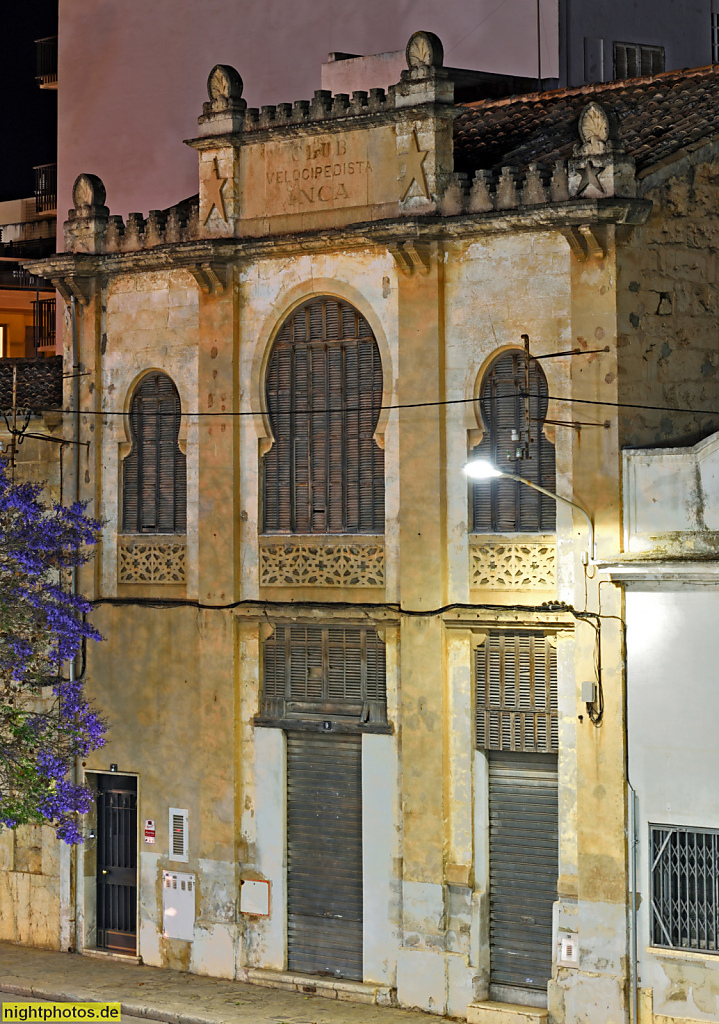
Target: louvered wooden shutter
{"type": "Point", "coordinates": [324, 472]}
{"type": "Point", "coordinates": [154, 493]}
{"type": "Point", "coordinates": [320, 668]}
{"type": "Point", "coordinates": [516, 693]}
{"type": "Point", "coordinates": [501, 505]}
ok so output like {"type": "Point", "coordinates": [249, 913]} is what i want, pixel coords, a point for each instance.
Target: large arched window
{"type": "Point", "coordinates": [154, 491]}
{"type": "Point", "coordinates": [324, 472]}
{"type": "Point", "coordinates": [505, 506]}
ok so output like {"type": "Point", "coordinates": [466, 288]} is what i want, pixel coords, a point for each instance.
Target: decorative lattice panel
{"type": "Point", "coordinates": [513, 565]}
{"type": "Point", "coordinates": [151, 561]}
{"type": "Point", "coordinates": [302, 563]}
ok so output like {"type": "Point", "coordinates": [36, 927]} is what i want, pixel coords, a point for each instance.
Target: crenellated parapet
{"type": "Point", "coordinates": [371, 157]}
{"type": "Point", "coordinates": [598, 169]}
{"type": "Point", "coordinates": [90, 228]}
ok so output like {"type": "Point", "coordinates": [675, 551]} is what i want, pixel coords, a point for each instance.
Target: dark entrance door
{"type": "Point", "coordinates": [523, 867]}
{"type": "Point", "coordinates": [117, 863]}
{"type": "Point", "coordinates": [324, 854]}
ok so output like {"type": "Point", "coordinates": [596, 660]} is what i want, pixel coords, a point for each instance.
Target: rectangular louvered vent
{"type": "Point", "coordinates": [178, 834]}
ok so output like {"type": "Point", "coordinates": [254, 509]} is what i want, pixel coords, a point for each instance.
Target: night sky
{"type": "Point", "coordinates": [28, 114]}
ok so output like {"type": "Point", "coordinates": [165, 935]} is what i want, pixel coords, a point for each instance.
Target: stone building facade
{"type": "Point", "coordinates": [367, 719]}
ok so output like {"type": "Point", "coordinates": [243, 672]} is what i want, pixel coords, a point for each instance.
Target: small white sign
{"type": "Point", "coordinates": [255, 897]}
{"type": "Point", "coordinates": [149, 830]}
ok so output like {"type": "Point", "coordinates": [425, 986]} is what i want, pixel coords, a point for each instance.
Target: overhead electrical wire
{"type": "Point", "coordinates": [398, 405]}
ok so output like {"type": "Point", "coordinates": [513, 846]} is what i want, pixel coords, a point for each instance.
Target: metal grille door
{"type": "Point", "coordinates": [117, 863]}
{"type": "Point", "coordinates": [523, 867]}
{"type": "Point", "coordinates": [324, 855]}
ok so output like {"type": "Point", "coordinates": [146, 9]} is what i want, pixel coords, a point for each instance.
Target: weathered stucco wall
{"type": "Point", "coordinates": [668, 303]}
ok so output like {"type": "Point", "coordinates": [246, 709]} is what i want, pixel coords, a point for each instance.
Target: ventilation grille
{"type": "Point", "coordinates": [516, 693]}
{"type": "Point", "coordinates": [178, 834]}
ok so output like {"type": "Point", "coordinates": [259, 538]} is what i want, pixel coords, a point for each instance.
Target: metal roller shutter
{"type": "Point", "coordinates": [324, 855]}
{"type": "Point", "coordinates": [523, 867]}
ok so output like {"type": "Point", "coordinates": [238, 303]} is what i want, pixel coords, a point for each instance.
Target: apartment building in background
{"type": "Point", "coordinates": [369, 718]}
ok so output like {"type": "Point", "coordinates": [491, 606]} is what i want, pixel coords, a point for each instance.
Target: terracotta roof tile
{"type": "Point", "coordinates": [657, 116]}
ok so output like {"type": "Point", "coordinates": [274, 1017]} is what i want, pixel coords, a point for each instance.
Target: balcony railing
{"type": "Point", "coordinates": [43, 326]}
{"type": "Point", "coordinates": [46, 50]}
{"type": "Point", "coordinates": [15, 278]}
{"type": "Point", "coordinates": [28, 248]}
{"type": "Point", "coordinates": [39, 383]}
{"type": "Point", "coordinates": [45, 188]}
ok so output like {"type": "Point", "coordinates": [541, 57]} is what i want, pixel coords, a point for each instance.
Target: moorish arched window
{"type": "Point", "coordinates": [505, 506]}
{"type": "Point", "coordinates": [154, 478]}
{"type": "Point", "coordinates": [324, 472]}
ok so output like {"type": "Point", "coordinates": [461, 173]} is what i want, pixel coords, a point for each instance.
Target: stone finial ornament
{"type": "Point", "coordinates": [88, 191]}
{"type": "Point", "coordinates": [226, 111]}
{"type": "Point", "coordinates": [424, 49]}
{"type": "Point", "coordinates": [594, 128]}
{"type": "Point", "coordinates": [224, 87]}
{"type": "Point", "coordinates": [86, 223]}
{"type": "Point", "coordinates": [598, 131]}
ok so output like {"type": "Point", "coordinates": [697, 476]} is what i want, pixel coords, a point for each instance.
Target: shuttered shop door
{"type": "Point", "coordinates": [324, 855]}
{"type": "Point", "coordinates": [523, 867]}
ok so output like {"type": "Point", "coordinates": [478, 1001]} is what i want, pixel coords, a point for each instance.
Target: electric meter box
{"type": "Point", "coordinates": [178, 905]}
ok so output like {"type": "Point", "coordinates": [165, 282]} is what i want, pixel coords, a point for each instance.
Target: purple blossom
{"type": "Point", "coordinates": [42, 628]}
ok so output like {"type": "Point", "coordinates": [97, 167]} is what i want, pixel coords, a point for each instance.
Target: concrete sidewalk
{"type": "Point", "coordinates": [177, 997]}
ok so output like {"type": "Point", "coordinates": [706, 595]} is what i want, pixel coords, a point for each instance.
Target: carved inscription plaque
{"type": "Point", "coordinates": [319, 172]}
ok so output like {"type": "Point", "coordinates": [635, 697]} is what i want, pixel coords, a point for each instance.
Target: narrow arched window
{"type": "Point", "coordinates": [325, 471]}
{"type": "Point", "coordinates": [154, 492]}
{"type": "Point", "coordinates": [501, 505]}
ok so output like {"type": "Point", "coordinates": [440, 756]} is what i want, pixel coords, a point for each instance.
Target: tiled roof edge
{"type": "Point", "coordinates": [591, 89]}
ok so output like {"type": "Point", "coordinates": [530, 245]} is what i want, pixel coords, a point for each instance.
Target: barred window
{"type": "Point", "coordinates": [516, 693]}
{"type": "Point", "coordinates": [154, 476]}
{"type": "Point", "coordinates": [632, 60]}
{"type": "Point", "coordinates": [500, 505]}
{"type": "Point", "coordinates": [314, 669]}
{"type": "Point", "coordinates": [325, 471]}
{"type": "Point", "coordinates": [685, 888]}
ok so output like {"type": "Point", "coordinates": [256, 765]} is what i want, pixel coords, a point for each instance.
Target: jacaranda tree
{"type": "Point", "coordinates": [45, 720]}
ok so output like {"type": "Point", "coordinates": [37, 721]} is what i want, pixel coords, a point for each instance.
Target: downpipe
{"type": "Point", "coordinates": [75, 859]}
{"type": "Point", "coordinates": [634, 842]}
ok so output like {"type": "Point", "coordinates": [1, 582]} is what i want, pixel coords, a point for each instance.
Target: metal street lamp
{"type": "Point", "coordinates": [483, 469]}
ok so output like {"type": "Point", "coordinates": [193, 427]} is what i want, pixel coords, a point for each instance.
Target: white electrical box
{"type": "Point", "coordinates": [569, 949]}
{"type": "Point", "coordinates": [178, 905]}
{"type": "Point", "coordinates": [589, 692]}
{"type": "Point", "coordinates": [255, 897]}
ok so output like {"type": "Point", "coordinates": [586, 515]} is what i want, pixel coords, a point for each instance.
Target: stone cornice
{"type": "Point", "coordinates": [650, 573]}
{"type": "Point", "coordinates": [569, 216]}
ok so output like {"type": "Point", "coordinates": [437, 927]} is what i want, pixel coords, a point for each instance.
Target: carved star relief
{"type": "Point", "coordinates": [590, 176]}
{"type": "Point", "coordinates": [213, 193]}
{"type": "Point", "coordinates": [413, 170]}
